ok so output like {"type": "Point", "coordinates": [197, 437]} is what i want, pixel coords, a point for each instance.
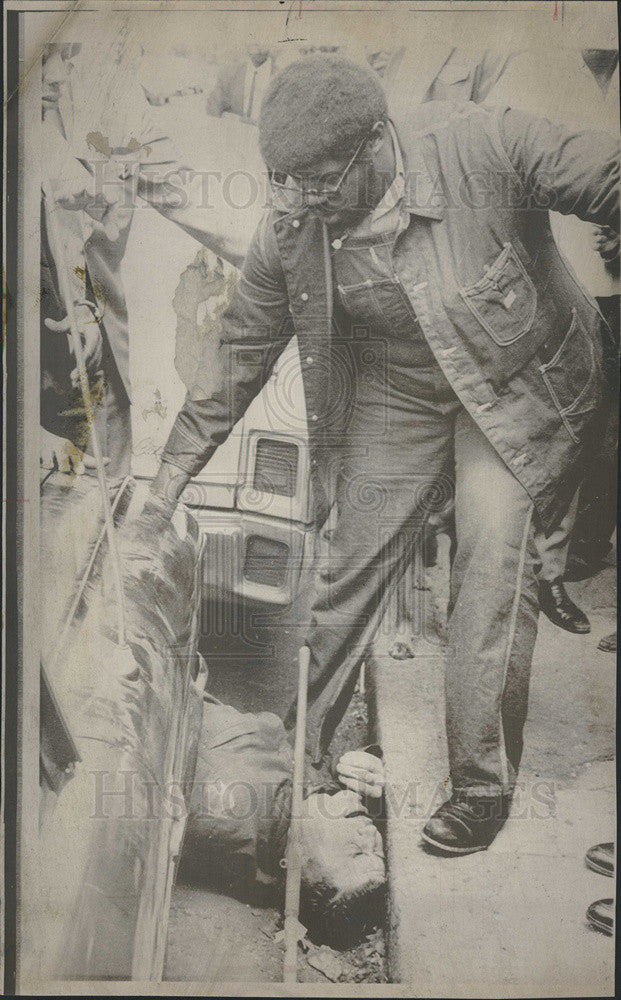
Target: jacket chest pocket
{"type": "Point", "coordinates": [381, 304]}
{"type": "Point", "coordinates": [504, 300]}
{"type": "Point", "coordinates": [574, 378]}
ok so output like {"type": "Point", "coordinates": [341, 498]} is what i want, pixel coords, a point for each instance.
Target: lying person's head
{"type": "Point", "coordinates": [324, 137]}
{"type": "Point", "coordinates": [343, 873]}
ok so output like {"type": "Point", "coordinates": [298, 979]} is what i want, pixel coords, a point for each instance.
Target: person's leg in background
{"type": "Point", "coordinates": [112, 418]}
{"type": "Point", "coordinates": [492, 629]}
{"type": "Point", "coordinates": [596, 517]}
{"type": "Point", "coordinates": [553, 553]}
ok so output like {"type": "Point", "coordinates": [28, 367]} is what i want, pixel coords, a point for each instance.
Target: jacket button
{"type": "Point", "coordinates": [313, 416]}
{"type": "Point", "coordinates": [337, 244]}
{"type": "Point", "coordinates": [304, 296]}
{"type": "Point", "coordinates": [309, 360]}
{"type": "Point", "coordinates": [296, 223]}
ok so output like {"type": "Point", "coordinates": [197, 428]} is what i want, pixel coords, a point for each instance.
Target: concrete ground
{"type": "Point", "coordinates": [509, 921]}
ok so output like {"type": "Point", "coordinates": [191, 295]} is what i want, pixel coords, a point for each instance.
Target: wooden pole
{"type": "Point", "coordinates": [294, 856]}
{"type": "Point", "coordinates": [67, 297]}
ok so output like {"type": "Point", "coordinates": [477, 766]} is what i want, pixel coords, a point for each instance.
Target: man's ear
{"type": "Point", "coordinates": [377, 136]}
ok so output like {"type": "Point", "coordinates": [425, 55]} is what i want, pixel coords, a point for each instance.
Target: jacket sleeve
{"type": "Point", "coordinates": [255, 329]}
{"type": "Point", "coordinates": [568, 171]}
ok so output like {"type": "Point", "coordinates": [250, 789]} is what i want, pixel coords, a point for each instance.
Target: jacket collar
{"type": "Point", "coordinates": [421, 196]}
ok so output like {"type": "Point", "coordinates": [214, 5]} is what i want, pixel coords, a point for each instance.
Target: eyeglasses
{"type": "Point", "coordinates": [301, 185]}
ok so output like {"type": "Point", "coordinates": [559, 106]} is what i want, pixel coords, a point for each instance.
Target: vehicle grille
{"type": "Point", "coordinates": [222, 559]}
{"type": "Point", "coordinates": [276, 467]}
{"type": "Point", "coordinates": [266, 561]}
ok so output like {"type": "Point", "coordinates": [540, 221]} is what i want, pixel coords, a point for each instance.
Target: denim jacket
{"type": "Point", "coordinates": [517, 337]}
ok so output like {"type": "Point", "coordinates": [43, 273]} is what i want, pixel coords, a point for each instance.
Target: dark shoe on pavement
{"type": "Point", "coordinates": [609, 643]}
{"type": "Point", "coordinates": [556, 603]}
{"type": "Point", "coordinates": [601, 915]}
{"type": "Point", "coordinates": [601, 859]}
{"type": "Point", "coordinates": [465, 824]}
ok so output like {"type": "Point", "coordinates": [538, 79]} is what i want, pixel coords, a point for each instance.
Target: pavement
{"type": "Point", "coordinates": [509, 921]}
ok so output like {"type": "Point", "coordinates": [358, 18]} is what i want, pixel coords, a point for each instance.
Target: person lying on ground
{"type": "Point", "coordinates": [239, 820]}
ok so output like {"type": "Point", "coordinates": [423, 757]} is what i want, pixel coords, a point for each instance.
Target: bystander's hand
{"type": "Point", "coordinates": [101, 194]}
{"type": "Point", "coordinates": [606, 243]}
{"type": "Point", "coordinates": [90, 333]}
{"type": "Point", "coordinates": [60, 455]}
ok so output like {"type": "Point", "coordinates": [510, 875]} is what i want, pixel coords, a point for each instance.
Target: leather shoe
{"type": "Point", "coordinates": [609, 643]}
{"type": "Point", "coordinates": [601, 859]}
{"type": "Point", "coordinates": [465, 824]}
{"type": "Point", "coordinates": [601, 915]}
{"type": "Point", "coordinates": [556, 603]}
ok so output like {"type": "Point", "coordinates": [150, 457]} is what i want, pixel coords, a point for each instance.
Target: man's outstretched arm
{"type": "Point", "coordinates": [255, 330]}
{"type": "Point", "coordinates": [577, 170]}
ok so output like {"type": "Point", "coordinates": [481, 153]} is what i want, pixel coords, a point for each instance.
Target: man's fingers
{"type": "Point", "coordinates": [363, 773]}
{"type": "Point", "coordinates": [63, 325]}
{"type": "Point", "coordinates": [361, 760]}
{"type": "Point", "coordinates": [58, 325]}
{"type": "Point", "coordinates": [88, 462]}
{"type": "Point", "coordinates": [362, 787]}
{"type": "Point", "coordinates": [92, 342]}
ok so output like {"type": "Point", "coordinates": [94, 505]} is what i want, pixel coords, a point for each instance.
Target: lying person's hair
{"type": "Point", "coordinates": [342, 919]}
{"type": "Point", "coordinates": [320, 106]}
{"type": "Point", "coordinates": [343, 868]}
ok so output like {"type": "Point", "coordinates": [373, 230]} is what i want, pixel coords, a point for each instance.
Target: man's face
{"type": "Point", "coordinates": [340, 845]}
{"type": "Point", "coordinates": [360, 184]}
{"type": "Point", "coordinates": [57, 66]}
{"type": "Point", "coordinates": [351, 203]}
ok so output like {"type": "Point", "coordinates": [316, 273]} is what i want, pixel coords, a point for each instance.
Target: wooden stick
{"type": "Point", "coordinates": [67, 297]}
{"type": "Point", "coordinates": [294, 856]}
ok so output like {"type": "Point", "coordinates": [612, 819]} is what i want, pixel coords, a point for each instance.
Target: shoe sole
{"type": "Point", "coordinates": [581, 630]}
{"type": "Point", "coordinates": [452, 850]}
{"type": "Point", "coordinates": [610, 872]}
{"type": "Point", "coordinates": [600, 926]}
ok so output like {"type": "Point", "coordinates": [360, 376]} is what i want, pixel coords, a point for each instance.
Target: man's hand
{"type": "Point", "coordinates": [59, 454]}
{"type": "Point", "coordinates": [362, 772]}
{"type": "Point", "coordinates": [101, 195]}
{"type": "Point", "coordinates": [169, 484]}
{"type": "Point", "coordinates": [606, 243]}
{"type": "Point", "coordinates": [91, 338]}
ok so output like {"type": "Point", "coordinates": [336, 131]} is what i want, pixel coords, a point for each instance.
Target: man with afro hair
{"type": "Point", "coordinates": [445, 351]}
{"type": "Point", "coordinates": [335, 101]}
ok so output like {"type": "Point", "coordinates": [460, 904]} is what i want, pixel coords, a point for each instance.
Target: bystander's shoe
{"type": "Point", "coordinates": [465, 824]}
{"type": "Point", "coordinates": [609, 643]}
{"type": "Point", "coordinates": [601, 858]}
{"type": "Point", "coordinates": [556, 603]}
{"type": "Point", "coordinates": [601, 915]}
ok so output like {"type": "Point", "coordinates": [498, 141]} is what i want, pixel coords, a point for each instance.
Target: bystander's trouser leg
{"type": "Point", "coordinates": [493, 619]}
{"type": "Point", "coordinates": [113, 421]}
